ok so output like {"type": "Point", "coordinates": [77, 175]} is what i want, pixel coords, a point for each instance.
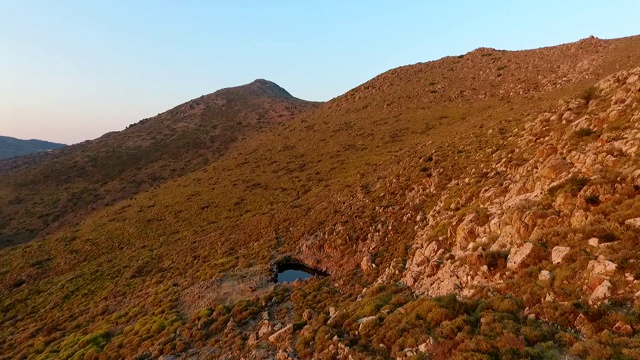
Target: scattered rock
{"type": "Point", "coordinates": [558, 252]}
{"type": "Point", "coordinates": [284, 355]}
{"type": "Point", "coordinates": [508, 237]}
{"type": "Point", "coordinates": [231, 327]}
{"type": "Point", "coordinates": [426, 346]}
{"type": "Point", "coordinates": [281, 335]}
{"type": "Point", "coordinates": [367, 264]}
{"type": "Point", "coordinates": [583, 325]}
{"type": "Point", "coordinates": [594, 242]}
{"type": "Point", "coordinates": [601, 293]}
{"type": "Point", "coordinates": [307, 315]}
{"type": "Point", "coordinates": [623, 329]}
{"type": "Point", "coordinates": [466, 232]}
{"type": "Point", "coordinates": [600, 266]}
{"type": "Point", "coordinates": [518, 255]}
{"type": "Point", "coordinates": [332, 311]}
{"type": "Point", "coordinates": [265, 328]}
{"type": "Point", "coordinates": [253, 339]}
{"type": "Point", "coordinates": [545, 275]}
{"type": "Point", "coordinates": [569, 116]}
{"type": "Point", "coordinates": [364, 321]}
{"type": "Point", "coordinates": [635, 222]}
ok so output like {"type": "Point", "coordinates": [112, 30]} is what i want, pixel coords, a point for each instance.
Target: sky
{"type": "Point", "coordinates": [73, 70]}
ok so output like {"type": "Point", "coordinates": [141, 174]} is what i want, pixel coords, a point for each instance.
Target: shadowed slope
{"type": "Point", "coordinates": [12, 147]}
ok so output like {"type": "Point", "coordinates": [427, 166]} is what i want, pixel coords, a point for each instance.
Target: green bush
{"type": "Point", "coordinates": [593, 200]}
{"type": "Point", "coordinates": [589, 94]}
{"type": "Point", "coordinates": [584, 132]}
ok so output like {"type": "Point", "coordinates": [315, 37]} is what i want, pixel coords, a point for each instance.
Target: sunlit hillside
{"type": "Point", "coordinates": [480, 206]}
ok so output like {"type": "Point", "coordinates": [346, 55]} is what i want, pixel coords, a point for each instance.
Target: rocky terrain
{"type": "Point", "coordinates": [481, 206]}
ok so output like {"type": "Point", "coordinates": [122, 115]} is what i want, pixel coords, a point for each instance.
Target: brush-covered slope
{"type": "Point", "coordinates": [12, 147]}
{"type": "Point", "coordinates": [54, 189]}
{"type": "Point", "coordinates": [453, 203]}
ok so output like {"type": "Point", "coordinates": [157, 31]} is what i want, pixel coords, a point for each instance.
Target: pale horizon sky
{"type": "Point", "coordinates": [73, 70]}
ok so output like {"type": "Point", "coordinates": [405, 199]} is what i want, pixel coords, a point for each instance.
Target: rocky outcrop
{"type": "Point", "coordinates": [553, 178]}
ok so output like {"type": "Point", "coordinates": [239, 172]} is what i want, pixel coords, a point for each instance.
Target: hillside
{"type": "Point", "coordinates": [480, 206]}
{"type": "Point", "coordinates": [12, 147]}
{"type": "Point", "coordinates": [43, 192]}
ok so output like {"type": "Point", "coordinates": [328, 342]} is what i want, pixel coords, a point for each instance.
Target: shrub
{"type": "Point", "coordinates": [589, 94]}
{"type": "Point", "coordinates": [496, 259]}
{"type": "Point", "coordinates": [592, 200]}
{"type": "Point", "coordinates": [584, 132]}
{"type": "Point", "coordinates": [573, 185]}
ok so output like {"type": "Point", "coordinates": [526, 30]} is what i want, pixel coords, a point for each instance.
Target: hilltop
{"type": "Point", "coordinates": [478, 206]}
{"type": "Point", "coordinates": [64, 186]}
{"type": "Point", "coordinates": [12, 147]}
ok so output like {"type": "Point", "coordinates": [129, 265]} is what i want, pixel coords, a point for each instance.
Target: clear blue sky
{"type": "Point", "coordinates": [73, 70]}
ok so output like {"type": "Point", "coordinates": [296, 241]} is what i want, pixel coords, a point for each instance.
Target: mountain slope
{"type": "Point", "coordinates": [12, 147]}
{"type": "Point", "coordinates": [405, 194]}
{"type": "Point", "coordinates": [51, 190]}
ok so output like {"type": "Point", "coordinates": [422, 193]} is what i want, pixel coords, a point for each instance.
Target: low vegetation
{"type": "Point", "coordinates": [177, 261]}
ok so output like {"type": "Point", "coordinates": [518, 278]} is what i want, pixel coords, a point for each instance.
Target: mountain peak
{"type": "Point", "coordinates": [269, 88]}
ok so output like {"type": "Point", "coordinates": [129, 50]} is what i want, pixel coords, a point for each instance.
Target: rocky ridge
{"type": "Point", "coordinates": [547, 182]}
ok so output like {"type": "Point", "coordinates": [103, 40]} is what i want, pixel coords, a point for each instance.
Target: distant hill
{"type": "Point", "coordinates": [12, 147]}
{"type": "Point", "coordinates": [88, 176]}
